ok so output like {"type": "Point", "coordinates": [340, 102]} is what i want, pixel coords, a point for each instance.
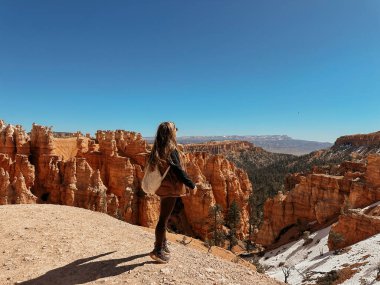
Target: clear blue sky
{"type": "Point", "coordinates": [308, 69]}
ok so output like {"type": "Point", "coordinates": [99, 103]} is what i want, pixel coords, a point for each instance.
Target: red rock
{"type": "Point", "coordinates": [5, 189]}
{"type": "Point", "coordinates": [16, 180]}
{"type": "Point", "coordinates": [372, 174]}
{"type": "Point", "coordinates": [107, 143]}
{"type": "Point", "coordinates": [220, 147]}
{"type": "Point", "coordinates": [106, 176]}
{"type": "Point", "coordinates": [132, 145]}
{"type": "Point", "coordinates": [355, 226]}
{"type": "Point", "coordinates": [149, 211]}
{"type": "Point", "coordinates": [25, 168]}
{"type": "Point", "coordinates": [371, 139]}
{"type": "Point", "coordinates": [221, 183]}
{"type": "Point", "coordinates": [41, 140]}
{"type": "Point", "coordinates": [320, 197]}
{"type": "Point", "coordinates": [13, 140]}
{"type": "Point", "coordinates": [21, 194]}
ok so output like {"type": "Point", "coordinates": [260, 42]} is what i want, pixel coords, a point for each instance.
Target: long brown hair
{"type": "Point", "coordinates": [164, 143]}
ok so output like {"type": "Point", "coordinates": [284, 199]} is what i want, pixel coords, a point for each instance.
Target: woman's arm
{"type": "Point", "coordinates": [178, 170]}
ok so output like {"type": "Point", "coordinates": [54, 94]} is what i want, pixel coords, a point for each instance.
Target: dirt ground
{"type": "Point", "coordinates": [52, 244]}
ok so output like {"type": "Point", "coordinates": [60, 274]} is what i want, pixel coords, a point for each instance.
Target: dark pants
{"type": "Point", "coordinates": [167, 206]}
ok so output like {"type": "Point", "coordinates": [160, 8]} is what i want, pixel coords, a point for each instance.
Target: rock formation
{"type": "Point", "coordinates": [104, 174]}
{"type": "Point", "coordinates": [221, 182]}
{"type": "Point", "coordinates": [369, 140]}
{"type": "Point", "coordinates": [320, 197]}
{"type": "Point", "coordinates": [16, 180]}
{"type": "Point", "coordinates": [354, 226]}
{"type": "Point", "coordinates": [219, 147]}
{"type": "Point", "coordinates": [13, 140]}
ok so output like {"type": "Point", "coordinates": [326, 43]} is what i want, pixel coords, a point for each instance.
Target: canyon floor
{"type": "Point", "coordinates": [53, 244]}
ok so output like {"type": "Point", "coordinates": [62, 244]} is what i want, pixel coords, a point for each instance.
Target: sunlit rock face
{"type": "Point", "coordinates": [104, 174]}
{"type": "Point", "coordinates": [366, 140]}
{"type": "Point", "coordinates": [354, 226]}
{"type": "Point", "coordinates": [321, 197]}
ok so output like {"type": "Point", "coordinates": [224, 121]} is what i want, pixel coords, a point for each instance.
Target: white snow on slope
{"type": "Point", "coordinates": [315, 259]}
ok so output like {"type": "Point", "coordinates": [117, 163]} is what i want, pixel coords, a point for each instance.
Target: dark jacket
{"type": "Point", "coordinates": [176, 180]}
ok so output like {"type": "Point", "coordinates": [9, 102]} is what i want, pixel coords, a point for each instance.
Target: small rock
{"type": "Point", "coordinates": [210, 270]}
{"type": "Point", "coordinates": [165, 270]}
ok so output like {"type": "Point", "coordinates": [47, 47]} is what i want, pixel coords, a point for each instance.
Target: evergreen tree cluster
{"type": "Point", "coordinates": [217, 235]}
{"type": "Point", "coordinates": [267, 172]}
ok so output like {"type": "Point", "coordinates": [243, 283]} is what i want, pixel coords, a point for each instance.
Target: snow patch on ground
{"type": "Point", "coordinates": [314, 260]}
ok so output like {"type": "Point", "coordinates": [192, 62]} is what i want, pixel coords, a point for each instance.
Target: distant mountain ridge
{"type": "Point", "coordinates": [271, 143]}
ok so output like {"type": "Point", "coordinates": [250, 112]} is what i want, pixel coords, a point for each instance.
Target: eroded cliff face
{"type": "Point", "coordinates": [220, 182]}
{"type": "Point", "coordinates": [220, 147]}
{"type": "Point", "coordinates": [368, 140]}
{"type": "Point", "coordinates": [320, 198]}
{"type": "Point", "coordinates": [17, 174]}
{"type": "Point", "coordinates": [354, 226]}
{"type": "Point", "coordinates": [13, 140]}
{"type": "Point", "coordinates": [104, 174]}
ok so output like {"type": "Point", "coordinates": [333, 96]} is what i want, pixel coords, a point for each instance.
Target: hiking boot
{"type": "Point", "coordinates": [159, 255]}
{"type": "Point", "coordinates": [165, 247]}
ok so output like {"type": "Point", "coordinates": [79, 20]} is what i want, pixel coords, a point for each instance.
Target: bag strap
{"type": "Point", "coordinates": [166, 172]}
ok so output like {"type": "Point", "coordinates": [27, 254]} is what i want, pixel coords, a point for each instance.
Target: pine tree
{"type": "Point", "coordinates": [216, 223]}
{"type": "Point", "coordinates": [336, 239]}
{"type": "Point", "coordinates": [255, 215]}
{"type": "Point", "coordinates": [233, 222]}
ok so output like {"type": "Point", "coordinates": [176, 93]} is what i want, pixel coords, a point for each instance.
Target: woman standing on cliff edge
{"type": "Point", "coordinates": [165, 153]}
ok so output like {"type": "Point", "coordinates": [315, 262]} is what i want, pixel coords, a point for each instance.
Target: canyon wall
{"type": "Point", "coordinates": [367, 140]}
{"type": "Point", "coordinates": [104, 174]}
{"type": "Point", "coordinates": [219, 147]}
{"type": "Point", "coordinates": [320, 198]}
{"type": "Point", "coordinates": [353, 226]}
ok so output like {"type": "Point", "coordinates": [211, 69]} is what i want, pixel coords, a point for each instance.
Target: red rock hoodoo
{"type": "Point", "coordinates": [104, 174]}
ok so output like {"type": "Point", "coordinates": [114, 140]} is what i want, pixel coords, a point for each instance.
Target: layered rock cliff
{"type": "Point", "coordinates": [320, 198]}
{"type": "Point", "coordinates": [104, 174]}
{"type": "Point", "coordinates": [368, 140]}
{"type": "Point", "coordinates": [220, 147]}
{"type": "Point", "coordinates": [353, 226]}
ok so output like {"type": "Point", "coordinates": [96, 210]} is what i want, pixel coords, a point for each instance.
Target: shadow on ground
{"type": "Point", "coordinates": [79, 271]}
